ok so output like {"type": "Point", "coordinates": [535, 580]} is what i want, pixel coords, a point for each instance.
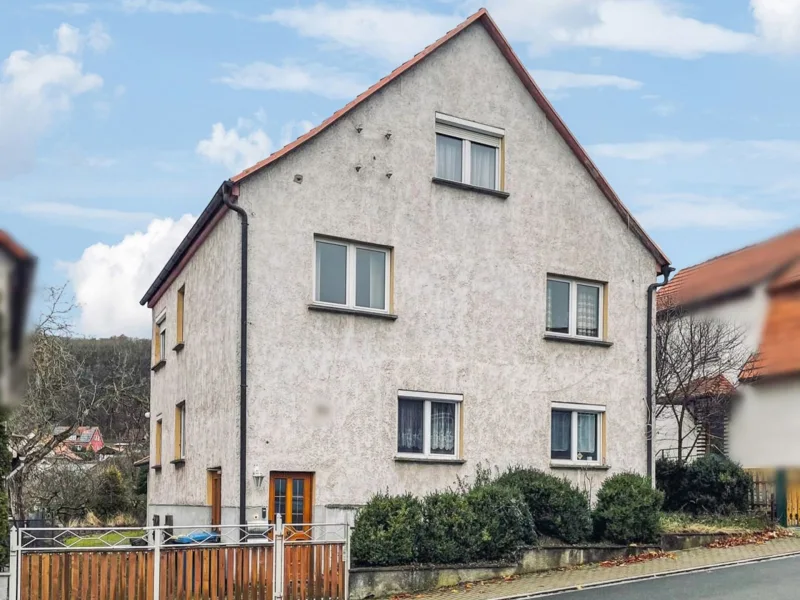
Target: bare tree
{"type": "Point", "coordinates": [65, 389]}
{"type": "Point", "coordinates": [698, 361]}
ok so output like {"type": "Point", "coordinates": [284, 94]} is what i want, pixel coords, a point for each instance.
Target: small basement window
{"type": "Point", "coordinates": [468, 152]}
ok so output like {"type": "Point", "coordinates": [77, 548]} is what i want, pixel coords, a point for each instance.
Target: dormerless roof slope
{"type": "Point", "coordinates": [732, 273]}
{"type": "Point", "coordinates": [482, 17]}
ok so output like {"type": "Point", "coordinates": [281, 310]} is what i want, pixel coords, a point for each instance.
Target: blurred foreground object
{"type": "Point", "coordinates": [17, 268]}
{"type": "Point", "coordinates": [752, 296]}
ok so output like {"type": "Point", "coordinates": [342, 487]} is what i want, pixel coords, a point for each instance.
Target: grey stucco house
{"type": "Point", "coordinates": [436, 276]}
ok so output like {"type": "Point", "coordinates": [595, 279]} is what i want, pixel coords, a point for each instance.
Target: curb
{"type": "Point", "coordinates": [636, 578]}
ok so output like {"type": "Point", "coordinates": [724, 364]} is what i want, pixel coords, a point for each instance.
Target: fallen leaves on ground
{"type": "Point", "coordinates": [637, 558]}
{"type": "Point", "coordinates": [761, 537]}
{"type": "Point", "coordinates": [463, 587]}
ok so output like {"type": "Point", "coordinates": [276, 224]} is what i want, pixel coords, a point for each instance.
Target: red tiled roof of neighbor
{"type": "Point", "coordinates": [779, 350]}
{"type": "Point", "coordinates": [8, 244]}
{"type": "Point", "coordinates": [705, 387]}
{"type": "Point", "coordinates": [730, 273]}
{"type": "Point", "coordinates": [196, 236]}
{"type": "Point", "coordinates": [788, 279]}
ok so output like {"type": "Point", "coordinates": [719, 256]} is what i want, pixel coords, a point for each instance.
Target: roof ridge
{"type": "Point", "coordinates": [795, 230]}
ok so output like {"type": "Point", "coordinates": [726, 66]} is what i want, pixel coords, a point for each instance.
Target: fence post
{"type": "Point", "coordinates": [347, 561]}
{"type": "Point", "coordinates": [277, 559]}
{"type": "Point", "coordinates": [157, 565]}
{"type": "Point", "coordinates": [13, 564]}
{"type": "Point", "coordinates": [781, 497]}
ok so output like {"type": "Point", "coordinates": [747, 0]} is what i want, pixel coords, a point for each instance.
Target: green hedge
{"type": "Point", "coordinates": [712, 484]}
{"type": "Point", "coordinates": [387, 531]}
{"type": "Point", "coordinates": [504, 521]}
{"type": "Point", "coordinates": [558, 508]}
{"type": "Point", "coordinates": [449, 529]}
{"type": "Point", "coordinates": [628, 510]}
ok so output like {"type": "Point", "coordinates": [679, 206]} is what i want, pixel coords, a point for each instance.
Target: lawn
{"type": "Point", "coordinates": [683, 523]}
{"type": "Point", "coordinates": [111, 538]}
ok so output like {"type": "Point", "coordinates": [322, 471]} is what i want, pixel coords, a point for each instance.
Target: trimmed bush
{"type": "Point", "coordinates": [716, 485]}
{"type": "Point", "coordinates": [627, 510]}
{"type": "Point", "coordinates": [449, 530]}
{"type": "Point", "coordinates": [112, 495]}
{"type": "Point", "coordinates": [503, 519]}
{"type": "Point", "coordinates": [559, 509]}
{"type": "Point", "coordinates": [387, 531]}
{"type": "Point", "coordinates": [671, 479]}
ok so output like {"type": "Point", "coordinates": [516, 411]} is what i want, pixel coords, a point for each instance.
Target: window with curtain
{"type": "Point", "coordinates": [576, 432]}
{"type": "Point", "coordinates": [574, 308]}
{"type": "Point", "coordinates": [468, 152]}
{"type": "Point", "coordinates": [352, 275]}
{"type": "Point", "coordinates": [428, 425]}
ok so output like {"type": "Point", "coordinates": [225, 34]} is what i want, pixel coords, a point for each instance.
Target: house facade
{"type": "Point", "coordinates": [82, 439]}
{"type": "Point", "coordinates": [757, 291]}
{"type": "Point", "coordinates": [437, 277]}
{"type": "Point", "coordinates": [17, 268]}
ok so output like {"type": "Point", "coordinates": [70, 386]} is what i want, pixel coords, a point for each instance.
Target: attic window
{"type": "Point", "coordinates": [468, 152]}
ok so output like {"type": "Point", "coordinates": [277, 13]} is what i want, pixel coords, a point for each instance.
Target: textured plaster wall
{"type": "Point", "coordinates": [204, 374]}
{"type": "Point", "coordinates": [469, 291]}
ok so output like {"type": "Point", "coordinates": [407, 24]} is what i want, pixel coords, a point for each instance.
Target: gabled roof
{"type": "Point", "coordinates": [734, 272]}
{"type": "Point", "coordinates": [482, 17]}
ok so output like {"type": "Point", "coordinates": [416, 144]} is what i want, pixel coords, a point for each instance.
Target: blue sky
{"type": "Point", "coordinates": [120, 118]}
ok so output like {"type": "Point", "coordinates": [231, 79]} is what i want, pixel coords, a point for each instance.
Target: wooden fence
{"type": "Point", "coordinates": [309, 570]}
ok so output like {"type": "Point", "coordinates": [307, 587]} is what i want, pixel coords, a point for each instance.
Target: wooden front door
{"type": "Point", "coordinates": [216, 499]}
{"type": "Point", "coordinates": [290, 495]}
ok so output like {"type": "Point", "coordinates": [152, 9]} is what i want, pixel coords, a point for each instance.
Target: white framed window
{"type": "Point", "coordinates": [574, 308]}
{"type": "Point", "coordinates": [428, 425]}
{"type": "Point", "coordinates": [576, 433]}
{"type": "Point", "coordinates": [468, 152]}
{"type": "Point", "coordinates": [351, 274]}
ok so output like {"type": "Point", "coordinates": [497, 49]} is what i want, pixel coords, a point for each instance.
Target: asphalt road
{"type": "Point", "coordinates": [770, 580]}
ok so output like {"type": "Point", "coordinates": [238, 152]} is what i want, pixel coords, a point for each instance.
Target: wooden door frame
{"type": "Point", "coordinates": [216, 498]}
{"type": "Point", "coordinates": [308, 501]}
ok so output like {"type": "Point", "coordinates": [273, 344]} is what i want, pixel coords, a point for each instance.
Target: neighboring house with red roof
{"type": "Point", "coordinates": [756, 289]}
{"type": "Point", "coordinates": [82, 439]}
{"type": "Point", "coordinates": [17, 268]}
{"type": "Point", "coordinates": [437, 276]}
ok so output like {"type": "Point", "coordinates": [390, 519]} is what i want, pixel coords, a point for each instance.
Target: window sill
{"type": "Point", "coordinates": [582, 466]}
{"type": "Point", "coordinates": [346, 310]}
{"type": "Point", "coordinates": [430, 460]}
{"type": "Point", "coordinates": [179, 346]}
{"type": "Point", "coordinates": [471, 188]}
{"type": "Point", "coordinates": [159, 365]}
{"type": "Point", "coordinates": [576, 340]}
{"type": "Point", "coordinates": [178, 462]}
{"type": "Point", "coordinates": [156, 467]}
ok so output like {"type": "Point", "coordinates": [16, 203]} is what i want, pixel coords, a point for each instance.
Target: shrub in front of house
{"type": "Point", "coordinates": [716, 485]}
{"type": "Point", "coordinates": [628, 510]}
{"type": "Point", "coordinates": [503, 521]}
{"type": "Point", "coordinates": [558, 508]}
{"type": "Point", "coordinates": [449, 530]}
{"type": "Point", "coordinates": [671, 479]}
{"type": "Point", "coordinates": [387, 531]}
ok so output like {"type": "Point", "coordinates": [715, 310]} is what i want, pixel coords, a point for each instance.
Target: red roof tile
{"type": "Point", "coordinates": [8, 244]}
{"type": "Point", "coordinates": [779, 350]}
{"type": "Point", "coordinates": [733, 272]}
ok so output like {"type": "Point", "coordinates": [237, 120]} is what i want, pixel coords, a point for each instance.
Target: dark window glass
{"type": "Point", "coordinates": [410, 426]}
{"type": "Point", "coordinates": [331, 273]}
{"type": "Point", "coordinates": [298, 500]}
{"type": "Point", "coordinates": [560, 434]}
{"type": "Point", "coordinates": [557, 306]}
{"type": "Point", "coordinates": [280, 498]}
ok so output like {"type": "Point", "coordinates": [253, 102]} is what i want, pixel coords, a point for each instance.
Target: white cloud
{"type": "Point", "coordinates": [235, 148]}
{"type": "Point", "coordinates": [683, 211]}
{"type": "Point", "coordinates": [562, 80]}
{"type": "Point", "coordinates": [70, 8]}
{"type": "Point", "coordinates": [68, 39]}
{"type": "Point", "coordinates": [315, 79]}
{"type": "Point", "coordinates": [34, 90]}
{"type": "Point", "coordinates": [98, 38]}
{"type": "Point", "coordinates": [109, 280]}
{"type": "Point", "coordinates": [294, 129]}
{"type": "Point", "coordinates": [394, 34]}
{"type": "Point", "coordinates": [183, 7]}
{"type": "Point", "coordinates": [656, 150]}
{"type": "Point", "coordinates": [85, 217]}
{"type": "Point", "coordinates": [778, 24]}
